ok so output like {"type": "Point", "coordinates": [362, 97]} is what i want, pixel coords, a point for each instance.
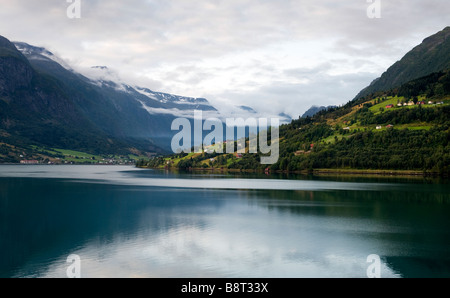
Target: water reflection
{"type": "Point", "coordinates": [128, 229]}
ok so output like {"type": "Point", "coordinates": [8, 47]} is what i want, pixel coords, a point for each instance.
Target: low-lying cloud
{"type": "Point", "coordinates": [234, 52]}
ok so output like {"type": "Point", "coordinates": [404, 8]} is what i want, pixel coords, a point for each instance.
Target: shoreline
{"type": "Point", "coordinates": [320, 172]}
{"type": "Point", "coordinates": [314, 172]}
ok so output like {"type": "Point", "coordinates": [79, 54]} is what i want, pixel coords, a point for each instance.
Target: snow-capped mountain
{"type": "Point", "coordinates": [90, 109]}
{"type": "Point", "coordinates": [164, 103]}
{"type": "Point", "coordinates": [92, 102]}
{"type": "Point", "coordinates": [153, 102]}
{"type": "Point", "coordinates": [39, 53]}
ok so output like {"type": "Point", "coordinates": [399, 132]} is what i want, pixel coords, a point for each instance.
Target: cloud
{"type": "Point", "coordinates": [282, 97]}
{"type": "Point", "coordinates": [234, 52]}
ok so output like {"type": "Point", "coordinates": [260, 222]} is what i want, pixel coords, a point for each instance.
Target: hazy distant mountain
{"type": "Point", "coordinates": [284, 118]}
{"type": "Point", "coordinates": [432, 55]}
{"type": "Point", "coordinates": [314, 110]}
{"type": "Point", "coordinates": [247, 109]}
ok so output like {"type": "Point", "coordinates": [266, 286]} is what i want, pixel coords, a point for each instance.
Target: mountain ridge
{"type": "Point", "coordinates": [403, 130]}
{"type": "Point", "coordinates": [314, 110]}
{"type": "Point", "coordinates": [432, 55]}
{"type": "Point", "coordinates": [404, 133]}
{"type": "Point", "coordinates": [44, 102]}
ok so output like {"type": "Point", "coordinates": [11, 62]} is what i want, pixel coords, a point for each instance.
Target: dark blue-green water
{"type": "Point", "coordinates": [128, 222]}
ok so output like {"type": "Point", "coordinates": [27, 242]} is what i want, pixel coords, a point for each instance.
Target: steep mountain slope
{"type": "Point", "coordinates": [432, 55]}
{"type": "Point", "coordinates": [35, 108]}
{"type": "Point", "coordinates": [118, 108]}
{"type": "Point", "coordinates": [407, 132]}
{"type": "Point", "coordinates": [44, 102]}
{"type": "Point", "coordinates": [403, 130]}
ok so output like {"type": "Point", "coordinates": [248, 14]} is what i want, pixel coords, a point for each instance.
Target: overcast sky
{"type": "Point", "coordinates": [272, 55]}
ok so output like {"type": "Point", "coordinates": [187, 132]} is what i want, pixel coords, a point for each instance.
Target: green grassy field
{"type": "Point", "coordinates": [72, 156]}
{"type": "Point", "coordinates": [381, 107]}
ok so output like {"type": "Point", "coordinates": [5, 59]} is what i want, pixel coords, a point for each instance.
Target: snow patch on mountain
{"type": "Point", "coordinates": [169, 98]}
{"type": "Point", "coordinates": [155, 103]}
{"type": "Point", "coordinates": [39, 53]}
{"type": "Point", "coordinates": [103, 76]}
{"type": "Point", "coordinates": [180, 113]}
{"type": "Point", "coordinates": [146, 92]}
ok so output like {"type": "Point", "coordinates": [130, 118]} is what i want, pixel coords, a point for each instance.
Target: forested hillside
{"type": "Point", "coordinates": [407, 128]}
{"type": "Point", "coordinates": [432, 55]}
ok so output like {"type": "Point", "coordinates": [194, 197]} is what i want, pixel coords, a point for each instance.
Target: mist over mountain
{"type": "Point", "coordinates": [405, 129]}
{"type": "Point", "coordinates": [43, 101]}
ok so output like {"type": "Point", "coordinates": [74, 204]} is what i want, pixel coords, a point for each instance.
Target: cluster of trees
{"type": "Point", "coordinates": [4, 150]}
{"type": "Point", "coordinates": [433, 85]}
{"type": "Point", "coordinates": [248, 162]}
{"type": "Point", "coordinates": [203, 160]}
{"type": "Point", "coordinates": [5, 154]}
{"type": "Point", "coordinates": [212, 160]}
{"type": "Point", "coordinates": [391, 150]}
{"type": "Point", "coordinates": [404, 116]}
{"type": "Point", "coordinates": [152, 163]}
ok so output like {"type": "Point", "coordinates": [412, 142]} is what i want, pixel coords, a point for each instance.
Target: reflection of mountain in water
{"type": "Point", "coordinates": [52, 217]}
{"type": "Point", "coordinates": [419, 267]}
{"type": "Point", "coordinates": [44, 220]}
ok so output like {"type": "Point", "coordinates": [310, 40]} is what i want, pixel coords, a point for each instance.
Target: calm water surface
{"type": "Point", "coordinates": [128, 222]}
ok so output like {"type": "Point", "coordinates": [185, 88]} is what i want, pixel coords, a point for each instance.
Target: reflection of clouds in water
{"type": "Point", "coordinates": [247, 184]}
{"type": "Point", "coordinates": [178, 252]}
{"type": "Point", "coordinates": [184, 256]}
{"type": "Point", "coordinates": [217, 251]}
{"type": "Point", "coordinates": [187, 232]}
{"type": "Point", "coordinates": [121, 175]}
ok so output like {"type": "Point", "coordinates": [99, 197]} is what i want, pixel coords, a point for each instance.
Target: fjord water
{"type": "Point", "coordinates": [128, 222]}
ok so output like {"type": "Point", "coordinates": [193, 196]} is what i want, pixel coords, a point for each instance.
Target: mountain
{"type": "Point", "coordinates": [44, 102]}
{"type": "Point", "coordinates": [432, 55]}
{"type": "Point", "coordinates": [314, 110]}
{"type": "Point", "coordinates": [405, 133]}
{"type": "Point", "coordinates": [403, 130]}
{"type": "Point", "coordinates": [35, 108]}
{"type": "Point", "coordinates": [247, 109]}
{"type": "Point", "coordinates": [407, 130]}
{"type": "Point", "coordinates": [110, 85]}
{"type": "Point", "coordinates": [284, 118]}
